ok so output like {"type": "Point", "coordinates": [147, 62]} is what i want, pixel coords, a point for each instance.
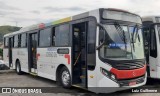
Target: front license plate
{"type": "Point", "coordinates": [132, 83]}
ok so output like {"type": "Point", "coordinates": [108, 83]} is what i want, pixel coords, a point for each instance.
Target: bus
{"type": "Point", "coordinates": [95, 50]}
{"type": "Point", "coordinates": [151, 33]}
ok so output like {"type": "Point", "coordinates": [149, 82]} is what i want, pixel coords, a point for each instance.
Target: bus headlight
{"type": "Point", "coordinates": [113, 76]}
{"type": "Point", "coordinates": [108, 74]}
{"type": "Point", "coordinates": [105, 73]}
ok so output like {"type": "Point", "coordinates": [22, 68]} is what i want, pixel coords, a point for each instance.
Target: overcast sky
{"type": "Point", "coordinates": [28, 12]}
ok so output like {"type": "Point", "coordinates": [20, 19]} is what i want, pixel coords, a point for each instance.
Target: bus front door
{"type": "Point", "coordinates": [32, 52]}
{"type": "Point", "coordinates": [79, 72]}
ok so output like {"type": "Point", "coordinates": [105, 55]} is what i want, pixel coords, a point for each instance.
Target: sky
{"type": "Point", "coordinates": [27, 12]}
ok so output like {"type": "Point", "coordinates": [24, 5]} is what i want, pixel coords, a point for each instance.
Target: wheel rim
{"type": "Point", "coordinates": [17, 68]}
{"type": "Point", "coordinates": [65, 77]}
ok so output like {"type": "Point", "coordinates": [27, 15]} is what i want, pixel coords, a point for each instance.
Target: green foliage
{"type": "Point", "coordinates": [7, 29]}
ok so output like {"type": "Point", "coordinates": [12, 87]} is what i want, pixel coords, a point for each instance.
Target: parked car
{"type": "Point", "coordinates": [3, 65]}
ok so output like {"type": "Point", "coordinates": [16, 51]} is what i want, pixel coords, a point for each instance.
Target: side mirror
{"type": "Point", "coordinates": [101, 35]}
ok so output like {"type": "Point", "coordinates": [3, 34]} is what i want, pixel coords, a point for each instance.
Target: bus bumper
{"type": "Point", "coordinates": [121, 87]}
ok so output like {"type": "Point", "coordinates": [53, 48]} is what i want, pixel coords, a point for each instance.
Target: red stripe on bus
{"type": "Point", "coordinates": [37, 56]}
{"type": "Point", "coordinates": [41, 25]}
{"type": "Point", "coordinates": [67, 56]}
{"type": "Point", "coordinates": [126, 74]}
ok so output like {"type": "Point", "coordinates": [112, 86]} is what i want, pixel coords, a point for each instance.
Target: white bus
{"type": "Point", "coordinates": [94, 50]}
{"type": "Point", "coordinates": [151, 33]}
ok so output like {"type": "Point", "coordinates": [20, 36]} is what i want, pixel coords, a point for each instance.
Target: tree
{"type": "Point", "coordinates": [7, 29]}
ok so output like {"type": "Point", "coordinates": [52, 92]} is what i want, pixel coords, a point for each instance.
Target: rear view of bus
{"type": "Point", "coordinates": [120, 54]}
{"type": "Point", "coordinates": [151, 33]}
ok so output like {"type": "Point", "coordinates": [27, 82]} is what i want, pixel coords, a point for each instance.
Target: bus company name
{"type": "Point", "coordinates": [51, 49]}
{"type": "Point", "coordinates": [51, 54]}
{"type": "Point", "coordinates": [23, 90]}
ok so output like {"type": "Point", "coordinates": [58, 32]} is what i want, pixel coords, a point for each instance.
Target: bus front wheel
{"type": "Point", "coordinates": [65, 77]}
{"type": "Point", "coordinates": [18, 68]}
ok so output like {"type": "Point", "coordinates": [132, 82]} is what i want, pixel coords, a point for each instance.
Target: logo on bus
{"type": "Point", "coordinates": [134, 74]}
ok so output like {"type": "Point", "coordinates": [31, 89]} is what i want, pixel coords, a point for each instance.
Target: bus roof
{"type": "Point", "coordinates": [75, 17]}
{"type": "Point", "coordinates": [43, 25]}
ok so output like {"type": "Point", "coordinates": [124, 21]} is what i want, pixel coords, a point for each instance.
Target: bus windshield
{"type": "Point", "coordinates": [119, 45]}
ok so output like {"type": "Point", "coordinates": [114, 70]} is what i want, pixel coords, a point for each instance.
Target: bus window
{"type": "Point", "coordinates": [53, 37]}
{"type": "Point", "coordinates": [45, 37]}
{"type": "Point", "coordinates": [23, 41]}
{"type": "Point", "coordinates": [62, 35]}
{"type": "Point", "coordinates": [91, 37]}
{"type": "Point", "coordinates": [16, 41]}
{"type": "Point", "coordinates": [6, 42]}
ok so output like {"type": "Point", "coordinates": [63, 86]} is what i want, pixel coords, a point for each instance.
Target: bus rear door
{"type": "Point", "coordinates": [32, 49]}
{"type": "Point", "coordinates": [10, 51]}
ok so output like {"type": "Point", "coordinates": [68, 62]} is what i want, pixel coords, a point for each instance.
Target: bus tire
{"type": "Point", "coordinates": [18, 68]}
{"type": "Point", "coordinates": [65, 77]}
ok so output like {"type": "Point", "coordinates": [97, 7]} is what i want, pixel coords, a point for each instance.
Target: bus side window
{"type": "Point", "coordinates": [45, 37]}
{"type": "Point", "coordinates": [23, 40]}
{"type": "Point", "coordinates": [153, 43]}
{"type": "Point", "coordinates": [6, 42]}
{"type": "Point", "coordinates": [16, 41]}
{"type": "Point", "coordinates": [62, 35]}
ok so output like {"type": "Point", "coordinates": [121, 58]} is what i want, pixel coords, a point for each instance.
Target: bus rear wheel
{"type": "Point", "coordinates": [65, 78]}
{"type": "Point", "coordinates": [18, 68]}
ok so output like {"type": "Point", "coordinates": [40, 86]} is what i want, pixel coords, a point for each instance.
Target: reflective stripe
{"type": "Point", "coordinates": [67, 56]}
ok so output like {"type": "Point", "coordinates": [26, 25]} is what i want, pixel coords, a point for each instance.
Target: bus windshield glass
{"type": "Point", "coordinates": [119, 45]}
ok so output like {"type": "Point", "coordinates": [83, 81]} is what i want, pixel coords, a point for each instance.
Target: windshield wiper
{"type": "Point", "coordinates": [121, 33]}
{"type": "Point", "coordinates": [135, 35]}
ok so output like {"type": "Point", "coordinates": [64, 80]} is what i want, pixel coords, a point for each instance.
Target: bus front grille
{"type": "Point", "coordinates": [129, 65]}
